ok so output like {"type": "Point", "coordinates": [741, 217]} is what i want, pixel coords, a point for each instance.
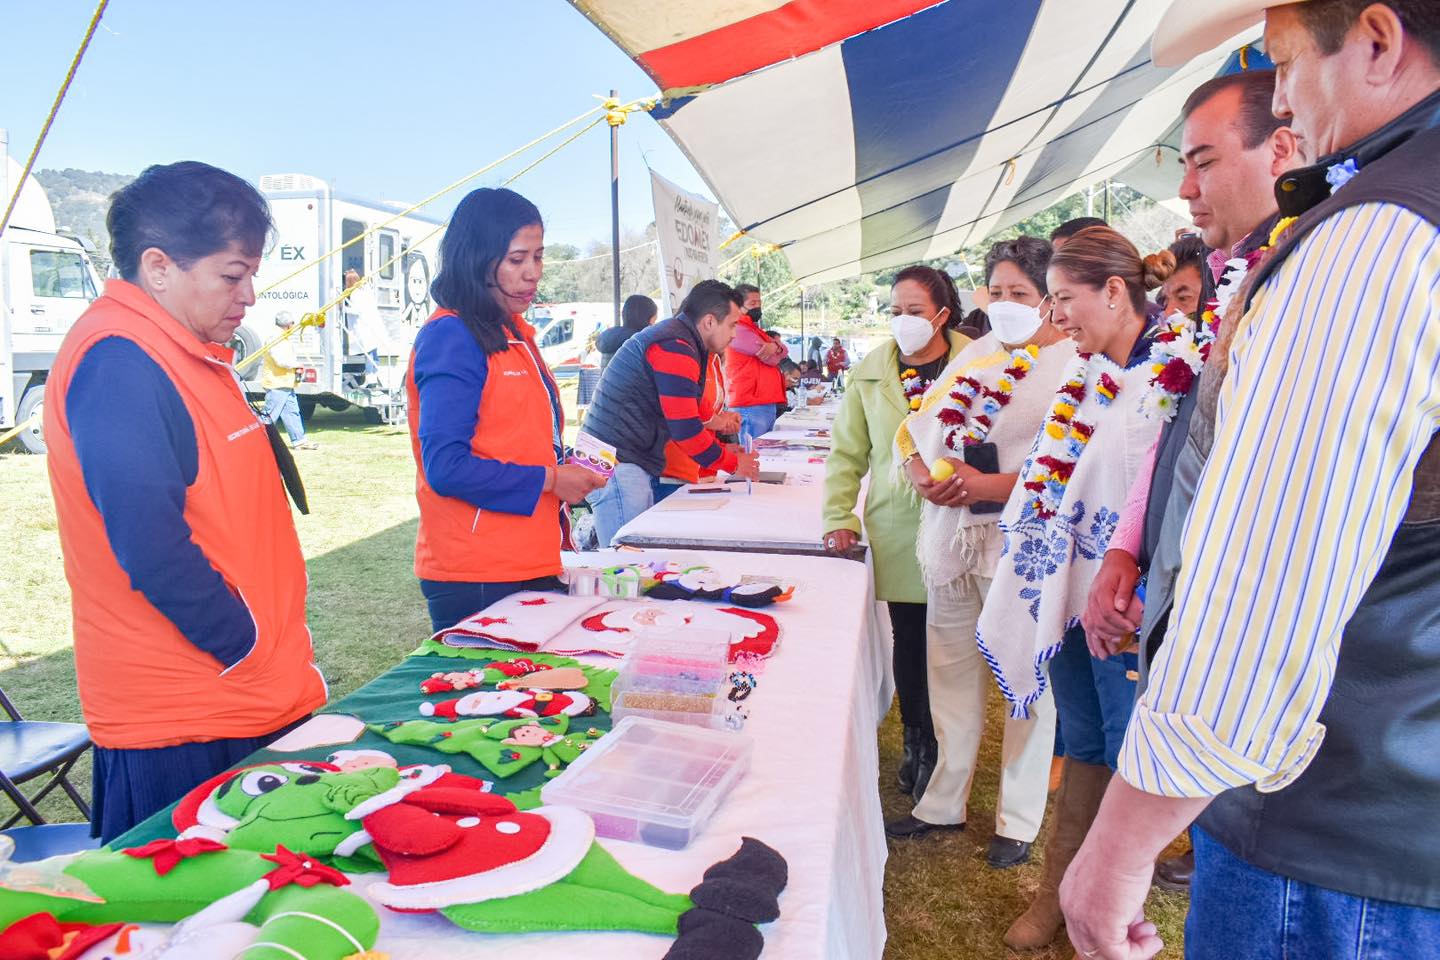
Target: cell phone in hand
{"type": "Point", "coordinates": [984, 457]}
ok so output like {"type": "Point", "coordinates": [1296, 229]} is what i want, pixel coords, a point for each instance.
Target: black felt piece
{"type": "Point", "coordinates": [740, 899]}
{"type": "Point", "coordinates": [755, 863]}
{"type": "Point", "coordinates": [705, 935]}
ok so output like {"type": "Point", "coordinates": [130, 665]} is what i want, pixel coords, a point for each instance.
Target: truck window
{"type": "Point", "coordinates": [387, 256]}
{"type": "Point", "coordinates": [354, 257]}
{"type": "Point", "coordinates": [60, 273]}
{"type": "Point", "coordinates": [559, 332]}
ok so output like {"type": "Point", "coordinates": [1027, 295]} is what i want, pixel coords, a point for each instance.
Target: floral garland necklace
{"type": "Point", "coordinates": [913, 386]}
{"type": "Point", "coordinates": [1181, 349]}
{"type": "Point", "coordinates": [970, 396]}
{"type": "Point", "coordinates": [1063, 436]}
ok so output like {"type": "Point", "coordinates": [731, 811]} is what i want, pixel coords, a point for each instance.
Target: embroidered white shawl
{"type": "Point", "coordinates": [1047, 566]}
{"type": "Point", "coordinates": [953, 541]}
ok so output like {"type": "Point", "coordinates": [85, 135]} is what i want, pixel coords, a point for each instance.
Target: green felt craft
{"type": "Point", "coordinates": [302, 813]}
{"type": "Point", "coordinates": [319, 922]}
{"type": "Point", "coordinates": [503, 747]}
{"type": "Point", "coordinates": [598, 894]}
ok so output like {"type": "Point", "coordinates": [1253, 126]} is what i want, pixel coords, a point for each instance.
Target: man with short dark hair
{"type": "Point", "coordinates": [1295, 704]}
{"type": "Point", "coordinates": [752, 367]}
{"type": "Point", "coordinates": [650, 395]}
{"type": "Point", "coordinates": [1069, 228]}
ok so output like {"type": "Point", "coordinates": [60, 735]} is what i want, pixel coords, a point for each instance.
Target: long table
{"type": "Point", "coordinates": [811, 791]}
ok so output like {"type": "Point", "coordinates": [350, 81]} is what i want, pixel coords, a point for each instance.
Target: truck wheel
{"type": "Point", "coordinates": [32, 404]}
{"type": "Point", "coordinates": [307, 408]}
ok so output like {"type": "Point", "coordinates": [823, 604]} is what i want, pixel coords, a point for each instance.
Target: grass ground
{"type": "Point", "coordinates": [366, 612]}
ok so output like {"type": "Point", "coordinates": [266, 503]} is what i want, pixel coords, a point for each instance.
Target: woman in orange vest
{"type": "Point", "coordinates": [485, 419]}
{"type": "Point", "coordinates": [186, 579]}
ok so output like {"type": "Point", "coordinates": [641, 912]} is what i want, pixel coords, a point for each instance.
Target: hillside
{"type": "Point", "coordinates": [80, 199]}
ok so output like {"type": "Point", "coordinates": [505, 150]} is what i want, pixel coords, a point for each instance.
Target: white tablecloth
{"type": "Point", "coordinates": [811, 792]}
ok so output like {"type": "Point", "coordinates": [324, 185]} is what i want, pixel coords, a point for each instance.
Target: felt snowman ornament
{"type": "Point", "coordinates": [511, 703]}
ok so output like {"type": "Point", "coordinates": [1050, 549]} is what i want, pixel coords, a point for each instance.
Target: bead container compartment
{"type": "Point", "coordinates": [679, 676]}
{"type": "Point", "coordinates": [653, 782]}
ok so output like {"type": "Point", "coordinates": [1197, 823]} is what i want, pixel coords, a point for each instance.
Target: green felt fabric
{"type": "Point", "coordinates": [135, 893]}
{"type": "Point", "coordinates": [480, 738]}
{"type": "Point", "coordinates": [395, 696]}
{"type": "Point", "coordinates": [280, 923]}
{"type": "Point", "coordinates": [597, 895]}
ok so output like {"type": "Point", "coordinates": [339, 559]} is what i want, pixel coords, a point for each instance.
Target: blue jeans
{"type": "Point", "coordinates": [286, 406]}
{"type": "Point", "coordinates": [1093, 699]}
{"type": "Point", "coordinates": [663, 488]}
{"type": "Point", "coordinates": [756, 421]}
{"type": "Point", "coordinates": [452, 601]}
{"type": "Point", "coordinates": [1241, 912]}
{"type": "Point", "coordinates": [628, 494]}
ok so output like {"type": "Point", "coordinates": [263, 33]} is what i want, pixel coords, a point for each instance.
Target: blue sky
{"type": "Point", "coordinates": [384, 100]}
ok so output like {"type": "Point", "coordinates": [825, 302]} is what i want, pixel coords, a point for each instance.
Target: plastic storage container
{"type": "Point", "coordinates": [681, 677]}
{"type": "Point", "coordinates": [653, 782]}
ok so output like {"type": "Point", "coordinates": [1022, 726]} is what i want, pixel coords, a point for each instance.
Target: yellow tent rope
{"type": "Point", "coordinates": [54, 109]}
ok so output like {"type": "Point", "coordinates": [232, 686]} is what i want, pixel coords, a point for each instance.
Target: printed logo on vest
{"type": "Point", "coordinates": [517, 373]}
{"type": "Point", "coordinates": [244, 430]}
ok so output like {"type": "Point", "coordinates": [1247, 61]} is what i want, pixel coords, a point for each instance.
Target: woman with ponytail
{"type": "Point", "coordinates": [1057, 526]}
{"type": "Point", "coordinates": [485, 419]}
{"type": "Point", "coordinates": [881, 391]}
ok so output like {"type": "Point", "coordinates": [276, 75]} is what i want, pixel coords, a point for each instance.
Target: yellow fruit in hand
{"type": "Point", "coordinates": [942, 470]}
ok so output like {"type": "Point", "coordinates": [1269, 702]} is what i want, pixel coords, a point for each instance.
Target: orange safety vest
{"type": "Point", "coordinates": [751, 381]}
{"type": "Point", "coordinates": [678, 464]}
{"type": "Point", "coordinates": [142, 683]}
{"type": "Point", "coordinates": [458, 541]}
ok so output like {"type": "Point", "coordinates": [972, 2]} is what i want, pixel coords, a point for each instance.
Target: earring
{"type": "Point", "coordinates": [1111, 306]}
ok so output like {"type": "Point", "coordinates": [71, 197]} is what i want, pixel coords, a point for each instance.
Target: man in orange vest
{"type": "Point", "coordinates": [186, 577]}
{"type": "Point", "coordinates": [752, 371]}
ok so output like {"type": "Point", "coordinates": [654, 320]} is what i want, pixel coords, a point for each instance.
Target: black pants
{"type": "Point", "coordinates": [907, 622]}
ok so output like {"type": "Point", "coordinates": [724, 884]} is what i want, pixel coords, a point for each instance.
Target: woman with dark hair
{"type": "Point", "coordinates": [973, 431]}
{"type": "Point", "coordinates": [637, 314]}
{"type": "Point", "coordinates": [485, 419]}
{"type": "Point", "coordinates": [884, 387]}
{"type": "Point", "coordinates": [1058, 524]}
{"type": "Point", "coordinates": [187, 584]}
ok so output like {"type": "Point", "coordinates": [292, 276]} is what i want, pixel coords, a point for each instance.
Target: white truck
{"type": "Point", "coordinates": [46, 281]}
{"type": "Point", "coordinates": [338, 367]}
{"type": "Point", "coordinates": [566, 333]}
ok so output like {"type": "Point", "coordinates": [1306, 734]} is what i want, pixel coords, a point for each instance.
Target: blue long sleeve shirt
{"type": "Point", "coordinates": [137, 450]}
{"type": "Point", "coordinates": [450, 371]}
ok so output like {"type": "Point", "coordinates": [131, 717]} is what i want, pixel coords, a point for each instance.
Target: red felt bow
{"type": "Point", "coordinates": [166, 854]}
{"type": "Point", "coordinates": [488, 621]}
{"type": "Point", "coordinates": [294, 868]}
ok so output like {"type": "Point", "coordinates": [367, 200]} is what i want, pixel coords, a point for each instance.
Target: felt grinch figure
{"type": "Point", "coordinates": [503, 747]}
{"type": "Point", "coordinates": [304, 806]}
{"type": "Point", "coordinates": [489, 867]}
{"type": "Point", "coordinates": [511, 703]}
{"type": "Point", "coordinates": [225, 904]}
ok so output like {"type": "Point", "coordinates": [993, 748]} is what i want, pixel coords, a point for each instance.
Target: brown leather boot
{"type": "Point", "coordinates": [1082, 787]}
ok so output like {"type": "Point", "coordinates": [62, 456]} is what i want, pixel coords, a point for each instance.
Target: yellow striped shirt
{"type": "Point", "coordinates": [1332, 395]}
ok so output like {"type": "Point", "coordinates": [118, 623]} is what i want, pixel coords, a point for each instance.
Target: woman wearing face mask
{"type": "Point", "coordinates": [1058, 524]}
{"type": "Point", "coordinates": [885, 387]}
{"type": "Point", "coordinates": [485, 419]}
{"type": "Point", "coordinates": [984, 410]}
